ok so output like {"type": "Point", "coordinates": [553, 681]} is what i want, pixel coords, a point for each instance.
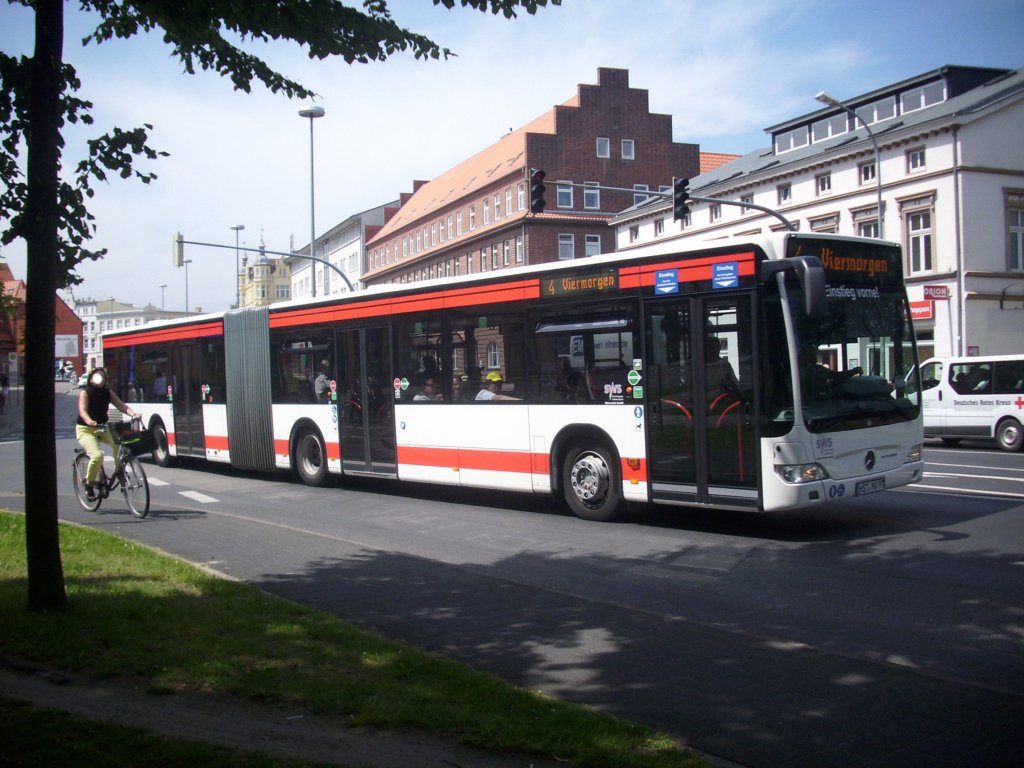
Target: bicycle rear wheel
{"type": "Point", "coordinates": [135, 486]}
{"type": "Point", "coordinates": [79, 471]}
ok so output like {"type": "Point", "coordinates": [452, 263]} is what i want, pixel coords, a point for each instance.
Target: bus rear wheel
{"type": "Point", "coordinates": [1010, 434]}
{"type": "Point", "coordinates": [591, 484]}
{"type": "Point", "coordinates": [310, 458]}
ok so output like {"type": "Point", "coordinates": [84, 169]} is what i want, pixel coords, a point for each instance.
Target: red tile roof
{"type": "Point", "coordinates": [711, 160]}
{"type": "Point", "coordinates": [479, 171]}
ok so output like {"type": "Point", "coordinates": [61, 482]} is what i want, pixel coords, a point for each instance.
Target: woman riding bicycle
{"type": "Point", "coordinates": [93, 402]}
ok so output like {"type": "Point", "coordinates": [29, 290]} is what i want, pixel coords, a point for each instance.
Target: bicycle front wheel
{"type": "Point", "coordinates": [135, 486]}
{"type": "Point", "coordinates": [79, 471]}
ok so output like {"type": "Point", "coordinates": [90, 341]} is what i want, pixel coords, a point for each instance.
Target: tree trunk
{"type": "Point", "coordinates": [42, 539]}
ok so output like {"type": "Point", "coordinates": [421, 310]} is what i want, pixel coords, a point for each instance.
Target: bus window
{"type": "Point", "coordinates": [485, 344]}
{"type": "Point", "coordinates": [420, 356]}
{"type": "Point", "coordinates": [295, 362]}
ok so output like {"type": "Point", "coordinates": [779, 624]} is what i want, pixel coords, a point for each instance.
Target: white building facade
{"type": "Point", "coordinates": [344, 247]}
{"type": "Point", "coordinates": [949, 156]}
{"type": "Point", "coordinates": [110, 315]}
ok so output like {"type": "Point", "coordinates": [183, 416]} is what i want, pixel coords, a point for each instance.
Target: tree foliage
{"type": "Point", "coordinates": [48, 210]}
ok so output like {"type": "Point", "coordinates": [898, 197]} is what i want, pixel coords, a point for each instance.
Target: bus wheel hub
{"type": "Point", "coordinates": [590, 477]}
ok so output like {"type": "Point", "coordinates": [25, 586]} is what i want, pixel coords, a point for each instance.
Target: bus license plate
{"type": "Point", "coordinates": [870, 486]}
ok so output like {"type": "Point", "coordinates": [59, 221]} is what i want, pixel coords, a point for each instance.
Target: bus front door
{"type": "Point", "coordinates": [365, 402]}
{"type": "Point", "coordinates": [188, 402]}
{"type": "Point", "coordinates": [702, 444]}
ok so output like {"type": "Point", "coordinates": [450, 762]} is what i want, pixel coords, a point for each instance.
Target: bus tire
{"type": "Point", "coordinates": [161, 450]}
{"type": "Point", "coordinates": [590, 483]}
{"type": "Point", "coordinates": [310, 457]}
{"type": "Point", "coordinates": [1009, 434]}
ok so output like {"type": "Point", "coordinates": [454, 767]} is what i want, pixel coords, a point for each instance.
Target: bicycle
{"type": "Point", "coordinates": [128, 475]}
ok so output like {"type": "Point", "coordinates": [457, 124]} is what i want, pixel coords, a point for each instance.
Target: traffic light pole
{"type": "Point", "coordinates": [179, 242]}
{"type": "Point", "coordinates": [694, 198]}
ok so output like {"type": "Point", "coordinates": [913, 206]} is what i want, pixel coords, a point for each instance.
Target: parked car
{"type": "Point", "coordinates": [83, 380]}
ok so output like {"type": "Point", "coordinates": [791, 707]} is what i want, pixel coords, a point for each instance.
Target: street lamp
{"type": "Point", "coordinates": [830, 101]}
{"type": "Point", "coordinates": [312, 111]}
{"type": "Point", "coordinates": [186, 262]}
{"type": "Point", "coordinates": [238, 290]}
{"type": "Point", "coordinates": [162, 286]}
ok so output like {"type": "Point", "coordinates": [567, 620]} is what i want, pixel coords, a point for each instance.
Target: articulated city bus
{"type": "Point", "coordinates": [765, 374]}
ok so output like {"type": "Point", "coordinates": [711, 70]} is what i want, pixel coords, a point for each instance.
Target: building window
{"type": "Point", "coordinates": [433, 234]}
{"type": "Point", "coordinates": [458, 224]}
{"type": "Point", "coordinates": [915, 160]}
{"type": "Point", "coordinates": [483, 259]}
{"type": "Point", "coordinates": [634, 233]}
{"type": "Point", "coordinates": [472, 218]}
{"type": "Point", "coordinates": [449, 227]}
{"type": "Point", "coordinates": [715, 212]}
{"type": "Point", "coordinates": [604, 147]}
{"type": "Point", "coordinates": [867, 228]}
{"type": "Point", "coordinates": [1015, 231]}
{"type": "Point", "coordinates": [746, 199]}
{"type": "Point", "coordinates": [640, 193]}
{"type": "Point", "coordinates": [828, 224]}
{"type": "Point", "coordinates": [784, 192]}
{"type": "Point", "coordinates": [823, 183]}
{"type": "Point", "coordinates": [508, 201]}
{"type": "Point", "coordinates": [919, 241]}
{"type": "Point", "coordinates": [866, 172]}
{"type": "Point", "coordinates": [628, 149]}
{"type": "Point", "coordinates": [519, 249]}
{"type": "Point", "coordinates": [521, 196]}
{"type": "Point", "coordinates": [593, 245]}
{"type": "Point", "coordinates": [566, 247]}
{"type": "Point", "coordinates": [877, 111]}
{"type": "Point", "coordinates": [829, 127]}
{"type": "Point", "coordinates": [591, 196]}
{"type": "Point", "coordinates": [493, 355]}
{"type": "Point", "coordinates": [487, 213]}
{"type": "Point", "coordinates": [659, 227]}
{"type": "Point", "coordinates": [506, 254]}
{"type": "Point", "coordinates": [282, 292]}
{"type": "Point", "coordinates": [497, 207]}
{"type": "Point", "coordinates": [564, 195]}
{"type": "Point", "coordinates": [922, 97]}
{"type": "Point", "coordinates": [494, 257]}
{"type": "Point", "coordinates": [790, 140]}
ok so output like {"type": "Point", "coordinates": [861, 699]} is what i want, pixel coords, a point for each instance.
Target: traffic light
{"type": "Point", "coordinates": [680, 199]}
{"type": "Point", "coordinates": [537, 190]}
{"type": "Point", "coordinates": [178, 258]}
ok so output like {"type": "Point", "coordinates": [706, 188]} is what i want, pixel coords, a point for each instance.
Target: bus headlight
{"type": "Point", "coordinates": [914, 454]}
{"type": "Point", "coordinates": [801, 473]}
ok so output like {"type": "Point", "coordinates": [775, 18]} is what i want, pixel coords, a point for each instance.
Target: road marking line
{"type": "Point", "coordinates": [157, 481]}
{"type": "Point", "coordinates": [202, 498]}
{"type": "Point", "coordinates": [962, 491]}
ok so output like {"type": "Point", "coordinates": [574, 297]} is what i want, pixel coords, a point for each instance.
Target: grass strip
{"type": "Point", "coordinates": [134, 612]}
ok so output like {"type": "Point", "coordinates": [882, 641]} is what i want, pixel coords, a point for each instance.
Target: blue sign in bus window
{"type": "Point", "coordinates": [666, 281]}
{"type": "Point", "coordinates": [726, 275]}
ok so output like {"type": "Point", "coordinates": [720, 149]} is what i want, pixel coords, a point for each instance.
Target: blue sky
{"type": "Point", "coordinates": [724, 70]}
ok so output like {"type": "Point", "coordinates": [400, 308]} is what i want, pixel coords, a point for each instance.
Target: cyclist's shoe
{"type": "Point", "coordinates": [102, 490]}
{"type": "Point", "coordinates": [90, 493]}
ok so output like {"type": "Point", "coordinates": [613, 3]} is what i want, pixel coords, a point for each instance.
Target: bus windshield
{"type": "Point", "coordinates": [854, 360]}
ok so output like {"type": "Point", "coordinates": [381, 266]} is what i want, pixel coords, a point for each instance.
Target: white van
{"type": "Point", "coordinates": [974, 397]}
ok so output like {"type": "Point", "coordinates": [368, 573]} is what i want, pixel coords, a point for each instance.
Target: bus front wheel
{"type": "Point", "coordinates": [310, 458]}
{"type": "Point", "coordinates": [1010, 434]}
{"type": "Point", "coordinates": [161, 449]}
{"type": "Point", "coordinates": [590, 483]}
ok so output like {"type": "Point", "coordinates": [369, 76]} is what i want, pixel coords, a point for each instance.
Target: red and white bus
{"type": "Point", "coordinates": [752, 374]}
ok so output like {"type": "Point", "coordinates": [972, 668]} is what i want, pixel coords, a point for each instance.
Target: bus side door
{"type": "Point", "coordinates": [702, 441]}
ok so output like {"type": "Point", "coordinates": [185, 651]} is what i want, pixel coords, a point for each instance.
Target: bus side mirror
{"type": "Point", "coordinates": [811, 274]}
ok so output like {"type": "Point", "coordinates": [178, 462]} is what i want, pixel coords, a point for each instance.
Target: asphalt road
{"type": "Point", "coordinates": [882, 633]}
